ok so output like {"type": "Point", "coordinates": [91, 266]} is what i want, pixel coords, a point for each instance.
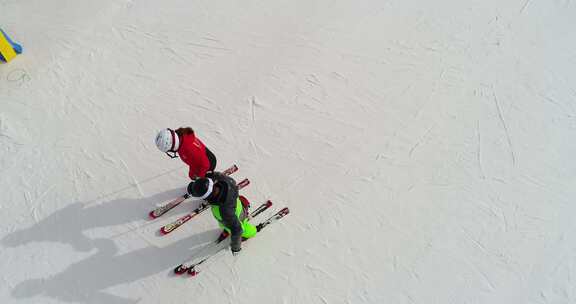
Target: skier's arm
{"type": "Point", "coordinates": [192, 174]}
{"type": "Point", "coordinates": [228, 210]}
{"type": "Point", "coordinates": [203, 168]}
{"type": "Point", "coordinates": [195, 171]}
{"type": "Point", "coordinates": [231, 221]}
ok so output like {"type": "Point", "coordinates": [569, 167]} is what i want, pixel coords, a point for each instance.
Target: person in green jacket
{"type": "Point", "coordinates": [221, 192]}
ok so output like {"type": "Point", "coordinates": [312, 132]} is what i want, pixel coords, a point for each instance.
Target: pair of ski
{"type": "Point", "coordinates": [203, 207]}
{"type": "Point", "coordinates": [189, 266]}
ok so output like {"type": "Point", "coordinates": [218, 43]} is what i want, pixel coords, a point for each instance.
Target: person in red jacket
{"type": "Point", "coordinates": [191, 150]}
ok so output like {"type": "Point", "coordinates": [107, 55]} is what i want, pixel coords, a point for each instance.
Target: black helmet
{"type": "Point", "coordinates": [201, 188]}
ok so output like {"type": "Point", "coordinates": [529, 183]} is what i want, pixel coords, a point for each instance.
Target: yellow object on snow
{"type": "Point", "coordinates": [6, 49]}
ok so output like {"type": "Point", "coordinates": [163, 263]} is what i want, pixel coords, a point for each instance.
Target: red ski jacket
{"type": "Point", "coordinates": [193, 152]}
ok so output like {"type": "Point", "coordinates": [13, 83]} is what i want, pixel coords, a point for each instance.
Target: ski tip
{"type": "Point", "coordinates": [151, 215]}
{"type": "Point", "coordinates": [192, 272]}
{"type": "Point", "coordinates": [285, 210]}
{"type": "Point", "coordinates": [163, 231]}
{"type": "Point", "coordinates": [268, 203]}
{"type": "Point", "coordinates": [245, 182]}
{"type": "Point", "coordinates": [180, 270]}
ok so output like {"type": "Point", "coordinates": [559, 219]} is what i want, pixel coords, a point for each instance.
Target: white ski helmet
{"type": "Point", "coordinates": [167, 141]}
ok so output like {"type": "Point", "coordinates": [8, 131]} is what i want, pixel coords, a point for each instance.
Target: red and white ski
{"type": "Point", "coordinates": [190, 267]}
{"type": "Point", "coordinates": [167, 207]}
{"type": "Point", "coordinates": [179, 222]}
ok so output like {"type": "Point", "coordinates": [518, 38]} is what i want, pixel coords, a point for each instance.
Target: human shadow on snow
{"type": "Point", "coordinates": [86, 280]}
{"type": "Point", "coordinates": [68, 225]}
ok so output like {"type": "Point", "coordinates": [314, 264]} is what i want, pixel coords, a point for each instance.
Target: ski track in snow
{"type": "Point", "coordinates": [505, 127]}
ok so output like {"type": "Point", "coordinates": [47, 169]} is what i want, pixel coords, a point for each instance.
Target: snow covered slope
{"type": "Point", "coordinates": [425, 149]}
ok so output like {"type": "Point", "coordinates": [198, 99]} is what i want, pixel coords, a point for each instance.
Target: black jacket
{"type": "Point", "coordinates": [226, 200]}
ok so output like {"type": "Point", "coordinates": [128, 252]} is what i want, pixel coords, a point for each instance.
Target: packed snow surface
{"type": "Point", "coordinates": [425, 149]}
